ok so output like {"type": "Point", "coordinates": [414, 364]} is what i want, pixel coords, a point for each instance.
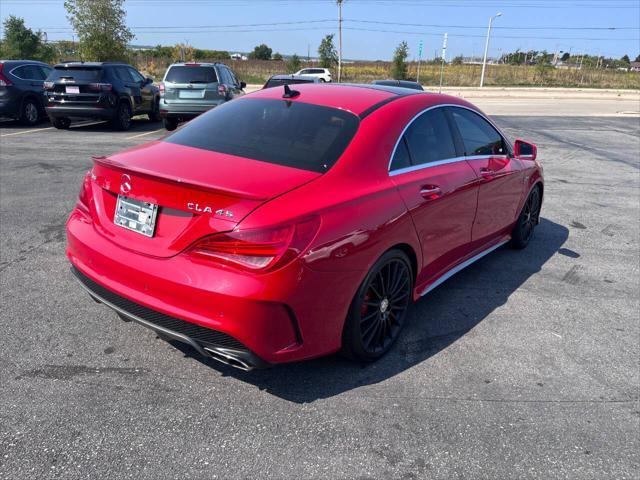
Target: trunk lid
{"type": "Point", "coordinates": [198, 192]}
{"type": "Point", "coordinates": [191, 83]}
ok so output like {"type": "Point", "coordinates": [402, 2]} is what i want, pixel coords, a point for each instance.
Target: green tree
{"type": "Point", "coordinates": [457, 60]}
{"type": "Point", "coordinates": [20, 42]}
{"type": "Point", "coordinates": [626, 59]}
{"type": "Point", "coordinates": [638, 58]}
{"type": "Point", "coordinates": [565, 56]}
{"type": "Point", "coordinates": [261, 52]}
{"type": "Point", "coordinates": [100, 27]}
{"type": "Point", "coordinates": [293, 65]}
{"type": "Point", "coordinates": [277, 56]}
{"type": "Point", "coordinates": [327, 52]}
{"type": "Point", "coordinates": [399, 62]}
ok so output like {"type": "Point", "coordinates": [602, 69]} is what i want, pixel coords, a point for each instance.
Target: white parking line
{"type": "Point", "coordinates": [143, 134]}
{"type": "Point", "coordinates": [26, 131]}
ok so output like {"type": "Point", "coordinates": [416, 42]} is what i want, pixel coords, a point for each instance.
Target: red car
{"type": "Point", "coordinates": [290, 224]}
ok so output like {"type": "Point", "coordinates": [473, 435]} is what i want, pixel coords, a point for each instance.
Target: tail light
{"type": "Point", "coordinates": [222, 90]}
{"type": "Point", "coordinates": [258, 250]}
{"type": "Point", "coordinates": [84, 196]}
{"type": "Point", "coordinates": [4, 81]}
{"type": "Point", "coordinates": [48, 85]}
{"type": "Point", "coordinates": [100, 87]}
{"type": "Point", "coordinates": [161, 88]}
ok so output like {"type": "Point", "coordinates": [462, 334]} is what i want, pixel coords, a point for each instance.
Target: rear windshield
{"type": "Point", "coordinates": [295, 134]}
{"type": "Point", "coordinates": [76, 74]}
{"type": "Point", "coordinates": [182, 74]}
{"type": "Point", "coordinates": [274, 82]}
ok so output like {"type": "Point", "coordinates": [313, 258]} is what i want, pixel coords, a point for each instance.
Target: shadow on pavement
{"type": "Point", "coordinates": [434, 323]}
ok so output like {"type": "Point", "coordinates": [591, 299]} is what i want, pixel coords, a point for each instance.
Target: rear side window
{"type": "Point", "coordinates": [186, 74]}
{"type": "Point", "coordinates": [294, 134]}
{"type": "Point", "coordinates": [429, 138]}
{"type": "Point", "coordinates": [29, 72]}
{"type": "Point", "coordinates": [75, 74]}
{"type": "Point", "coordinates": [478, 135]}
{"type": "Point", "coordinates": [401, 157]}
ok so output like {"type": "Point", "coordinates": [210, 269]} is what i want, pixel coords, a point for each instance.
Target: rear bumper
{"type": "Point", "coordinates": [185, 111]}
{"type": "Point", "coordinates": [291, 314]}
{"type": "Point", "coordinates": [56, 111]}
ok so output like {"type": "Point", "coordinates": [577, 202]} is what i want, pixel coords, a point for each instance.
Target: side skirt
{"type": "Point", "coordinates": [446, 276]}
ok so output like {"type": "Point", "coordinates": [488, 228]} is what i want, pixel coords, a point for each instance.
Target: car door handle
{"type": "Point", "coordinates": [430, 192]}
{"type": "Point", "coordinates": [487, 172]}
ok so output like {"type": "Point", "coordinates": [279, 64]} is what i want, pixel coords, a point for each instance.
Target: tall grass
{"type": "Point", "coordinates": [258, 71]}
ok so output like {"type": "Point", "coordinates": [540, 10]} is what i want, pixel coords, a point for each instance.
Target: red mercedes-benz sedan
{"type": "Point", "coordinates": [291, 224]}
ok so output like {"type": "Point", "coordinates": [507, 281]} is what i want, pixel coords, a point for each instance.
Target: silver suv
{"type": "Point", "coordinates": [189, 89]}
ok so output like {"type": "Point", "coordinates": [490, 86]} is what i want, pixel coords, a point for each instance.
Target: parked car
{"type": "Point", "coordinates": [99, 90]}
{"type": "Point", "coordinates": [21, 90]}
{"type": "Point", "coordinates": [293, 223]}
{"type": "Point", "coordinates": [280, 80]}
{"type": "Point", "coordinates": [322, 73]}
{"type": "Point", "coordinates": [399, 83]}
{"type": "Point", "coordinates": [189, 89]}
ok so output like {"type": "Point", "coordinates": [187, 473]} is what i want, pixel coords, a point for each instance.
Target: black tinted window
{"type": "Point", "coordinates": [479, 137]}
{"type": "Point", "coordinates": [191, 74]}
{"type": "Point", "coordinates": [123, 74]}
{"type": "Point", "coordinates": [294, 134]}
{"type": "Point", "coordinates": [85, 74]}
{"type": "Point", "coordinates": [29, 72]}
{"type": "Point", "coordinates": [401, 157]}
{"type": "Point", "coordinates": [429, 138]}
{"type": "Point", "coordinates": [137, 76]}
{"type": "Point", "coordinates": [275, 82]}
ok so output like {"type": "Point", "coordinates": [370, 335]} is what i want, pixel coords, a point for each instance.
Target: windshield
{"type": "Point", "coordinates": [188, 74]}
{"type": "Point", "coordinates": [295, 134]}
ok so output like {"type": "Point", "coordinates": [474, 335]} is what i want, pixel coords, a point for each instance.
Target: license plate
{"type": "Point", "coordinates": [136, 215]}
{"type": "Point", "coordinates": [191, 93]}
{"type": "Point", "coordinates": [71, 89]}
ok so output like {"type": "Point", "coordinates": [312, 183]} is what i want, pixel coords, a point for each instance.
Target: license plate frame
{"type": "Point", "coordinates": [73, 89]}
{"type": "Point", "coordinates": [135, 215]}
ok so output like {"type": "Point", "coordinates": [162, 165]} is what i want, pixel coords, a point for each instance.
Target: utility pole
{"type": "Point", "coordinates": [339, 2]}
{"type": "Point", "coordinates": [308, 50]}
{"type": "Point", "coordinates": [486, 48]}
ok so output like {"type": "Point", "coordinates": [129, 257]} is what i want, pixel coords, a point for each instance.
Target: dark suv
{"type": "Point", "coordinates": [21, 90]}
{"type": "Point", "coordinates": [189, 89]}
{"type": "Point", "coordinates": [100, 90]}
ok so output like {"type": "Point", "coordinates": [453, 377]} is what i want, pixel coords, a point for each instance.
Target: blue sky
{"type": "Point", "coordinates": [372, 28]}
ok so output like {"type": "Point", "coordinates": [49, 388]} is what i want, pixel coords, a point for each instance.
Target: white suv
{"type": "Point", "coordinates": [322, 73]}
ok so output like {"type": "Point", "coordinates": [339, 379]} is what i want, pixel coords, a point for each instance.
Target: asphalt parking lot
{"type": "Point", "coordinates": [525, 365]}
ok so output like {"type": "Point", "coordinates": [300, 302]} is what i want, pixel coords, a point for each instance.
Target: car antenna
{"type": "Point", "coordinates": [288, 93]}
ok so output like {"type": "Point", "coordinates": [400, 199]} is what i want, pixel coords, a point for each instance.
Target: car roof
{"type": "Point", "coordinates": [195, 64]}
{"type": "Point", "coordinates": [398, 83]}
{"type": "Point", "coordinates": [88, 64]}
{"type": "Point", "coordinates": [355, 98]}
{"type": "Point", "coordinates": [25, 62]}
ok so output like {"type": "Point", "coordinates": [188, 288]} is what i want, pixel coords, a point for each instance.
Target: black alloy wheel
{"type": "Point", "coordinates": [378, 310]}
{"type": "Point", "coordinates": [529, 218]}
{"type": "Point", "coordinates": [30, 114]}
{"type": "Point", "coordinates": [122, 119]}
{"type": "Point", "coordinates": [62, 123]}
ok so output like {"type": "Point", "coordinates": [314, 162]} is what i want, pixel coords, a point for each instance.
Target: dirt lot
{"type": "Point", "coordinates": [525, 365]}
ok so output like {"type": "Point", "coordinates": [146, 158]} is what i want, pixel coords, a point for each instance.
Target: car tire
{"type": "Point", "coordinates": [122, 119]}
{"type": "Point", "coordinates": [154, 115]}
{"type": "Point", "coordinates": [529, 217]}
{"type": "Point", "coordinates": [322, 80]}
{"type": "Point", "coordinates": [378, 309]}
{"type": "Point", "coordinates": [170, 124]}
{"type": "Point", "coordinates": [30, 112]}
{"type": "Point", "coordinates": [61, 123]}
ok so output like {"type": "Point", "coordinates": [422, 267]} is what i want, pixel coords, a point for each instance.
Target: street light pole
{"type": "Point", "coordinates": [486, 48]}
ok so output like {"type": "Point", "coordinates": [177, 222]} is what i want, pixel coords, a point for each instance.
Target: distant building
{"type": "Point", "coordinates": [238, 56]}
{"type": "Point", "coordinates": [635, 66]}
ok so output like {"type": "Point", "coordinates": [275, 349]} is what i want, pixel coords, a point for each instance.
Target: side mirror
{"type": "Point", "coordinates": [243, 85]}
{"type": "Point", "coordinates": [148, 80]}
{"type": "Point", "coordinates": [525, 150]}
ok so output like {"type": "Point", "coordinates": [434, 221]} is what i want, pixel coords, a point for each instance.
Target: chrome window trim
{"type": "Point", "coordinates": [444, 161]}
{"type": "Point", "coordinates": [22, 78]}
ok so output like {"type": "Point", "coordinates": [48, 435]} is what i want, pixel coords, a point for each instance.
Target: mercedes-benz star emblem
{"type": "Point", "coordinates": [125, 184]}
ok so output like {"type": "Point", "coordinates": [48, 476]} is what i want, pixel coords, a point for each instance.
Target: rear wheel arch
{"type": "Point", "coordinates": [409, 251]}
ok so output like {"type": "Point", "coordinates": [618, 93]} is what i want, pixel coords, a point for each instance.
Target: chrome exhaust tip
{"type": "Point", "coordinates": [229, 357]}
